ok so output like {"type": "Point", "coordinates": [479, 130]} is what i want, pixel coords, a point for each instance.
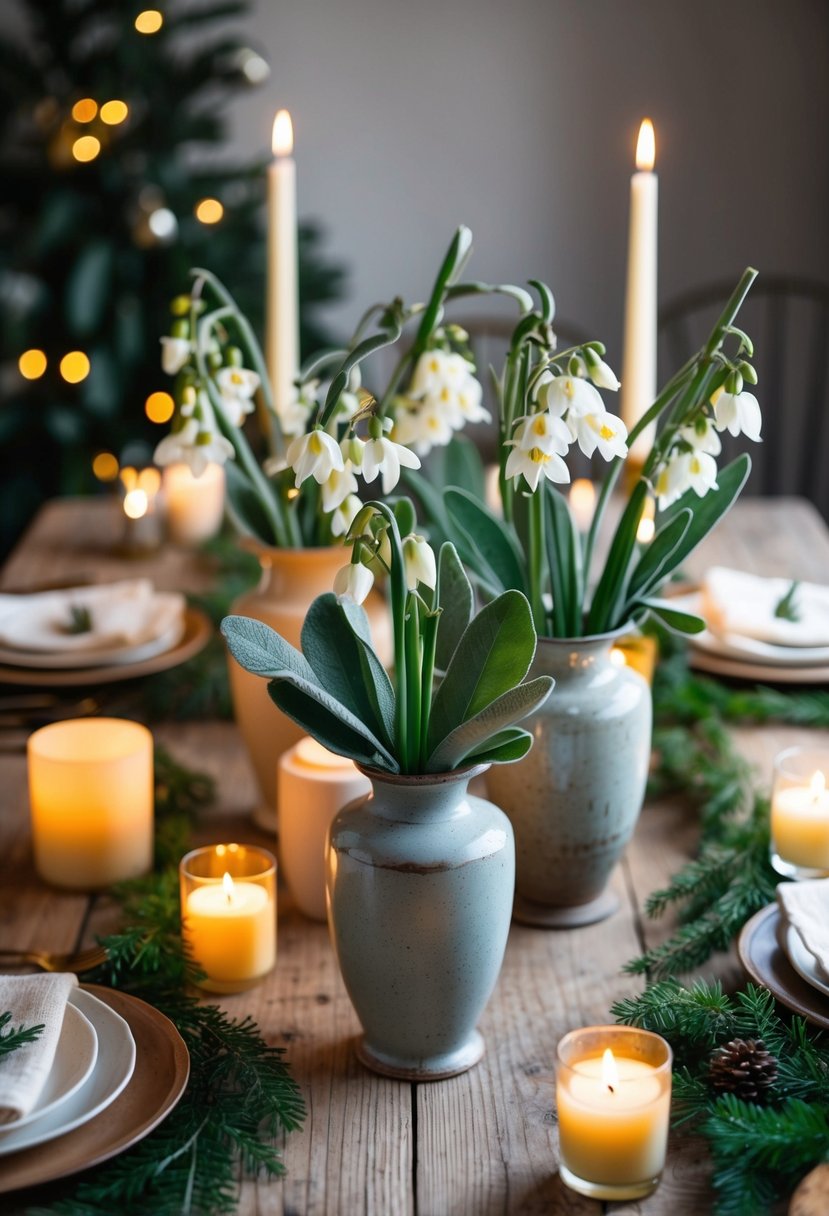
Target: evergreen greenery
{"type": "Point", "coordinates": [16, 1036]}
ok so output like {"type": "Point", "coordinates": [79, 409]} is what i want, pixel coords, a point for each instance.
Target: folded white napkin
{"type": "Point", "coordinates": [128, 613]}
{"type": "Point", "coordinates": [32, 1000]}
{"type": "Point", "coordinates": [805, 907]}
{"type": "Point", "coordinates": [734, 602]}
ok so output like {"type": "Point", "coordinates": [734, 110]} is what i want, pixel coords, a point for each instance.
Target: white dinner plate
{"type": "Point", "coordinates": [101, 657]}
{"type": "Point", "coordinates": [804, 962]}
{"type": "Point", "coordinates": [75, 1057]}
{"type": "Point", "coordinates": [113, 1069]}
{"type": "Point", "coordinates": [748, 650]}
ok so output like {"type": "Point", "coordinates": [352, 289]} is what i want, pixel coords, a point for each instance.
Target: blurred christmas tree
{"type": "Point", "coordinates": [112, 185]}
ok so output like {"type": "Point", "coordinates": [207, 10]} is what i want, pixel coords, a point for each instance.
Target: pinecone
{"type": "Point", "coordinates": [743, 1067]}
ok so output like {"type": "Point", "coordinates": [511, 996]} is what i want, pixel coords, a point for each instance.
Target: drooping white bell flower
{"type": "Point", "coordinates": [544, 431]}
{"type": "Point", "coordinates": [171, 449]}
{"type": "Point", "coordinates": [195, 446]}
{"type": "Point", "coordinates": [470, 401]}
{"type": "Point", "coordinates": [175, 352]}
{"type": "Point", "coordinates": [603, 431]}
{"type": "Point", "coordinates": [344, 515]}
{"type": "Point", "coordinates": [738, 412]}
{"type": "Point", "coordinates": [236, 409]}
{"type": "Point", "coordinates": [673, 479]}
{"type": "Point", "coordinates": [340, 483]}
{"type": "Point", "coordinates": [532, 463]}
{"type": "Point", "coordinates": [602, 375]}
{"type": "Point", "coordinates": [702, 472]}
{"type": "Point", "coordinates": [702, 436]}
{"type": "Point", "coordinates": [429, 374]}
{"type": "Point", "coordinates": [353, 582]}
{"type": "Point", "coordinates": [570, 395]}
{"type": "Point", "coordinates": [419, 560]}
{"type": "Point", "coordinates": [352, 447]}
{"type": "Point", "coordinates": [385, 456]}
{"type": "Point", "coordinates": [315, 455]}
{"type": "Point", "coordinates": [237, 382]}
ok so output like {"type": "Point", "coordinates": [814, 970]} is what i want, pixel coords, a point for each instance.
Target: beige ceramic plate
{"type": "Point", "coordinates": [161, 1072]}
{"type": "Point", "coordinates": [197, 631]}
{"type": "Point", "coordinates": [766, 963]}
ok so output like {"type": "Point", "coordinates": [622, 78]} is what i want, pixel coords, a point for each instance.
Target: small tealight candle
{"type": "Point", "coordinates": [141, 518]}
{"type": "Point", "coordinates": [194, 505]}
{"type": "Point", "coordinates": [613, 1093]}
{"type": "Point", "coordinates": [91, 796]}
{"type": "Point", "coordinates": [800, 813]}
{"type": "Point", "coordinates": [313, 784]}
{"type": "Point", "coordinates": [228, 914]}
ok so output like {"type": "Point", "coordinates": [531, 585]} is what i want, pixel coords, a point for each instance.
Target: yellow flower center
{"type": "Point", "coordinates": [236, 378]}
{"type": "Point", "coordinates": [605, 432]}
{"type": "Point", "coordinates": [695, 465]}
{"type": "Point", "coordinates": [315, 443]}
{"type": "Point", "coordinates": [538, 457]}
{"type": "Point", "coordinates": [539, 426]}
{"type": "Point", "coordinates": [569, 388]}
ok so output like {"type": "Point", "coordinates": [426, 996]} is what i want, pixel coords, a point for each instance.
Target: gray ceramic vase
{"type": "Point", "coordinates": [420, 876]}
{"type": "Point", "coordinates": [575, 798]}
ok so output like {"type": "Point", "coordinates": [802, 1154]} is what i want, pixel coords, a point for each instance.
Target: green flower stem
{"type": "Point", "coordinates": [399, 595]}
{"type": "Point", "coordinates": [535, 564]}
{"type": "Point", "coordinates": [414, 671]}
{"type": "Point", "coordinates": [427, 669]}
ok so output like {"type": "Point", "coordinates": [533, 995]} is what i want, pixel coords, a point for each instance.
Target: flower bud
{"type": "Point", "coordinates": [748, 373]}
{"type": "Point", "coordinates": [180, 306]}
{"type": "Point", "coordinates": [420, 562]}
{"type": "Point", "coordinates": [353, 582]}
{"type": "Point", "coordinates": [233, 357]}
{"type": "Point", "coordinates": [734, 383]}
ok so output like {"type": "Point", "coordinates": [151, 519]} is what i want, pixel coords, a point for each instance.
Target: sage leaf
{"type": "Point", "coordinates": [330, 723]}
{"type": "Point", "coordinates": [497, 554]}
{"type": "Point", "coordinates": [501, 713]}
{"type": "Point", "coordinates": [455, 600]}
{"type": "Point", "coordinates": [504, 748]}
{"type": "Point", "coordinates": [261, 650]}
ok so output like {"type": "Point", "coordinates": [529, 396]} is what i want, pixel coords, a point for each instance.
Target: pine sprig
{"type": "Point", "coordinates": [16, 1036]}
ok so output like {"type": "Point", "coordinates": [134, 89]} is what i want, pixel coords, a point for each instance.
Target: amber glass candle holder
{"type": "Point", "coordinates": [800, 813]}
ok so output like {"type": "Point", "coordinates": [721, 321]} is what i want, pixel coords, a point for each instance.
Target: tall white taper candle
{"type": "Point", "coordinates": [282, 305]}
{"type": "Point", "coordinates": [639, 358]}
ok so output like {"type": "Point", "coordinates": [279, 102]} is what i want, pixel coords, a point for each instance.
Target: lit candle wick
{"type": "Point", "coordinates": [227, 883]}
{"type": "Point", "coordinates": [610, 1073]}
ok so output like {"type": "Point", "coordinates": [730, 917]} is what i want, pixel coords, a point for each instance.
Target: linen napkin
{"type": "Point", "coordinates": [805, 907]}
{"type": "Point", "coordinates": [734, 602]}
{"type": "Point", "coordinates": [122, 614]}
{"type": "Point", "coordinates": [32, 1000]}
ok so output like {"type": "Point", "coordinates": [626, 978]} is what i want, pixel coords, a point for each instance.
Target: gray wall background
{"type": "Point", "coordinates": [519, 118]}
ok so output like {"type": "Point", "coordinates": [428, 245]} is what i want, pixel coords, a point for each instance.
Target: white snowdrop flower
{"type": "Point", "coordinates": [237, 382]}
{"type": "Point", "coordinates": [343, 516]}
{"type": "Point", "coordinates": [386, 457]}
{"type": "Point", "coordinates": [542, 431]}
{"type": "Point", "coordinates": [702, 472]}
{"type": "Point", "coordinates": [447, 400]}
{"type": "Point", "coordinates": [736, 412]}
{"type": "Point", "coordinates": [702, 436]}
{"type": "Point", "coordinates": [456, 370]}
{"type": "Point", "coordinates": [603, 431]}
{"type": "Point", "coordinates": [293, 417]}
{"type": "Point", "coordinates": [352, 447]}
{"type": "Point", "coordinates": [210, 448]}
{"type": "Point", "coordinates": [314, 455]}
{"type": "Point", "coordinates": [353, 582]}
{"type": "Point", "coordinates": [171, 449]}
{"type": "Point", "coordinates": [419, 560]}
{"type": "Point", "coordinates": [570, 393]}
{"type": "Point", "coordinates": [531, 463]}
{"type": "Point", "coordinates": [429, 374]}
{"type": "Point", "coordinates": [340, 483]}
{"type": "Point", "coordinates": [470, 401]}
{"type": "Point", "coordinates": [674, 479]}
{"type": "Point", "coordinates": [175, 352]}
{"type": "Point", "coordinates": [602, 375]}
{"type": "Point", "coordinates": [236, 409]}
{"type": "Point", "coordinates": [431, 427]}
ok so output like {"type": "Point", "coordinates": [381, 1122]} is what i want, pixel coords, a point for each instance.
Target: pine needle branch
{"type": "Point", "coordinates": [16, 1036]}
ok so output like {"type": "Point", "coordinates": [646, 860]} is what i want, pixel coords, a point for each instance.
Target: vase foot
{"type": "Point", "coordinates": [548, 916]}
{"type": "Point", "coordinates": [433, 1068]}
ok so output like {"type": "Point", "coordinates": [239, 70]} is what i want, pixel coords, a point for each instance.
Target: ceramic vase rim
{"type": "Point", "coordinates": [611, 635]}
{"type": "Point", "coordinates": [414, 779]}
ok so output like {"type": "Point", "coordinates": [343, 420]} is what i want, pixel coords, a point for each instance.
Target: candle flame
{"type": "Point", "coordinates": [282, 142]}
{"type": "Point", "coordinates": [647, 526]}
{"type": "Point", "coordinates": [227, 884]}
{"type": "Point", "coordinates": [610, 1073]}
{"type": "Point", "coordinates": [817, 785]}
{"type": "Point", "coordinates": [646, 146]}
{"type": "Point", "coordinates": [135, 504]}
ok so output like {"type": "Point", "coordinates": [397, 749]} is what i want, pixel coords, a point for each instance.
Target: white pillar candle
{"type": "Point", "coordinates": [194, 505]}
{"type": "Point", "coordinates": [282, 304]}
{"type": "Point", "coordinates": [800, 813]}
{"type": "Point", "coordinates": [228, 913]}
{"type": "Point", "coordinates": [639, 356]}
{"type": "Point", "coordinates": [613, 1093]}
{"type": "Point", "coordinates": [313, 785]}
{"type": "Point", "coordinates": [91, 797]}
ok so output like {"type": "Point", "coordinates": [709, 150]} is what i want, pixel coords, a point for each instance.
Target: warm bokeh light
{"type": "Point", "coordinates": [84, 110]}
{"type": "Point", "coordinates": [149, 480]}
{"type": "Point", "coordinates": [163, 223]}
{"type": "Point", "coordinates": [647, 525]}
{"type": "Point", "coordinates": [105, 466]}
{"type": "Point", "coordinates": [129, 477]}
{"type": "Point", "coordinates": [135, 504]}
{"type": "Point", "coordinates": [32, 364]}
{"type": "Point", "coordinates": [74, 366]}
{"type": "Point", "coordinates": [159, 407]}
{"type": "Point", "coordinates": [149, 21]}
{"type": "Point", "coordinates": [114, 112]}
{"type": "Point", "coordinates": [282, 140]}
{"type": "Point", "coordinates": [86, 148]}
{"type": "Point", "coordinates": [646, 146]}
{"type": "Point", "coordinates": [209, 211]}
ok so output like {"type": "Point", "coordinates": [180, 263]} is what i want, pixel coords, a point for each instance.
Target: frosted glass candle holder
{"type": "Point", "coordinates": [91, 799]}
{"type": "Point", "coordinates": [228, 914]}
{"type": "Point", "coordinates": [613, 1093]}
{"type": "Point", "coordinates": [194, 505]}
{"type": "Point", "coordinates": [800, 813]}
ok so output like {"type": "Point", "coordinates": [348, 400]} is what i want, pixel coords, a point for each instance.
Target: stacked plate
{"type": "Point", "coordinates": [774, 956]}
{"type": "Point", "coordinates": [119, 1069]}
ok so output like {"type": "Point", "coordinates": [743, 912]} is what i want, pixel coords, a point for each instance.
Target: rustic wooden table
{"type": "Point", "coordinates": [478, 1145]}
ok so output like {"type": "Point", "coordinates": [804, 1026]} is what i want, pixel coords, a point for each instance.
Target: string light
{"type": "Point", "coordinates": [86, 148]}
{"type": "Point", "coordinates": [162, 223]}
{"type": "Point", "coordinates": [105, 466]}
{"type": "Point", "coordinates": [32, 364]}
{"type": "Point", "coordinates": [135, 504]}
{"type": "Point", "coordinates": [114, 112]}
{"type": "Point", "coordinates": [149, 21]}
{"type": "Point", "coordinates": [74, 366]}
{"type": "Point", "coordinates": [209, 211]}
{"type": "Point", "coordinates": [84, 110]}
{"type": "Point", "coordinates": [159, 407]}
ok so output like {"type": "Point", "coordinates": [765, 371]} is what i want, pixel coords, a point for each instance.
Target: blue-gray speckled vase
{"type": "Point", "coordinates": [420, 876]}
{"type": "Point", "coordinates": [575, 798]}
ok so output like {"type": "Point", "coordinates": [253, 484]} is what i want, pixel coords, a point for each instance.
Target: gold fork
{"type": "Point", "coordinates": [79, 960]}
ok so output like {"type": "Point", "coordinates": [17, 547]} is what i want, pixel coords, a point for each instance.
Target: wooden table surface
{"type": "Point", "coordinates": [477, 1145]}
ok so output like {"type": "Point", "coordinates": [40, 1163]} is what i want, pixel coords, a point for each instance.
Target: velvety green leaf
{"type": "Point", "coordinates": [459, 464]}
{"type": "Point", "coordinates": [496, 549]}
{"type": "Point", "coordinates": [504, 748]}
{"type": "Point", "coordinates": [456, 601]}
{"type": "Point", "coordinates": [404, 513]}
{"type": "Point", "coordinates": [492, 656]}
{"type": "Point", "coordinates": [473, 734]}
{"type": "Point", "coordinates": [680, 622]}
{"type": "Point", "coordinates": [649, 569]}
{"type": "Point", "coordinates": [264, 652]}
{"type": "Point", "coordinates": [330, 723]}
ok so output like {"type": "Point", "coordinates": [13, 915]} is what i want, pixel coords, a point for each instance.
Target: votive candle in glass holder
{"type": "Point", "coordinates": [228, 914]}
{"type": "Point", "coordinates": [613, 1093]}
{"type": "Point", "coordinates": [800, 813]}
{"type": "Point", "coordinates": [91, 798]}
{"type": "Point", "coordinates": [194, 505]}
